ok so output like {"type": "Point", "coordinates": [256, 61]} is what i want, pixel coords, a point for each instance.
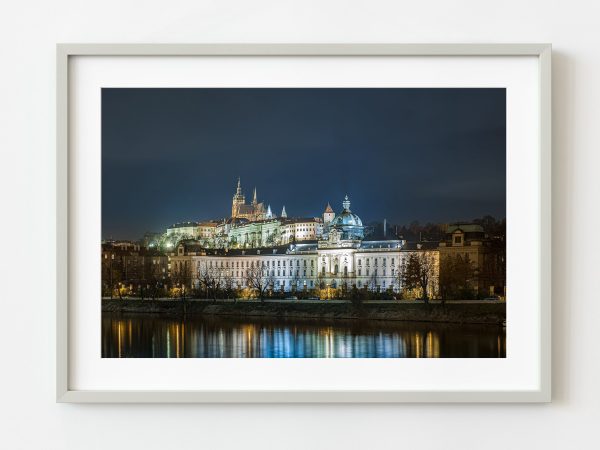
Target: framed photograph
{"type": "Point", "coordinates": [303, 223]}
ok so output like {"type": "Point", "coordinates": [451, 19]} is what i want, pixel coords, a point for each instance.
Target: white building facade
{"type": "Point", "coordinates": [339, 257]}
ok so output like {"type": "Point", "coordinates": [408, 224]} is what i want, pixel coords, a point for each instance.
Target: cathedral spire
{"type": "Point", "coordinates": [283, 213]}
{"type": "Point", "coordinates": [254, 199]}
{"type": "Point", "coordinates": [269, 212]}
{"type": "Point", "coordinates": [238, 200]}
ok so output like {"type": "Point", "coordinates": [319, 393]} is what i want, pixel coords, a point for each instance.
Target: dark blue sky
{"type": "Point", "coordinates": [171, 155]}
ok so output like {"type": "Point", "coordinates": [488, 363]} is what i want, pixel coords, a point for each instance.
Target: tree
{"type": "Point", "coordinates": [372, 282]}
{"type": "Point", "coordinates": [295, 278]}
{"type": "Point", "coordinates": [418, 272]}
{"type": "Point", "coordinates": [147, 280]}
{"type": "Point", "coordinates": [356, 297]}
{"type": "Point", "coordinates": [206, 279]}
{"type": "Point", "coordinates": [182, 276]}
{"type": "Point", "coordinates": [259, 278]}
{"type": "Point", "coordinates": [456, 276]}
{"type": "Point", "coordinates": [229, 284]}
{"type": "Point", "coordinates": [492, 272]}
{"type": "Point", "coordinates": [216, 277]}
{"type": "Point", "coordinates": [344, 285]}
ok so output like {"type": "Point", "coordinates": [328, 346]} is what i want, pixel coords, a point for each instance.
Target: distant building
{"type": "Point", "coordinates": [187, 230]}
{"type": "Point", "coordinates": [130, 266]}
{"type": "Point", "coordinates": [487, 256]}
{"type": "Point", "coordinates": [295, 230]}
{"type": "Point", "coordinates": [207, 230]}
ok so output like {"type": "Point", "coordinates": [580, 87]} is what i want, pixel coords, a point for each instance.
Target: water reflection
{"type": "Point", "coordinates": [146, 336]}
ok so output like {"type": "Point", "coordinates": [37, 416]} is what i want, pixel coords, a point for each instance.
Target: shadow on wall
{"type": "Point", "coordinates": [563, 147]}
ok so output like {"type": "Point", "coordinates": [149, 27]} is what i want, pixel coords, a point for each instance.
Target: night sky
{"type": "Point", "coordinates": [171, 155]}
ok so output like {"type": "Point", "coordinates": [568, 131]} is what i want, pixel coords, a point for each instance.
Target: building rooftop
{"type": "Point", "coordinates": [425, 245]}
{"type": "Point", "coordinates": [184, 224]}
{"type": "Point", "coordinates": [302, 220]}
{"type": "Point", "coordinates": [209, 223]}
{"type": "Point", "coordinates": [465, 227]}
{"type": "Point", "coordinates": [385, 243]}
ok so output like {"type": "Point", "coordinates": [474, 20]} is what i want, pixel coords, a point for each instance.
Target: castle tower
{"type": "Point", "coordinates": [254, 199]}
{"type": "Point", "coordinates": [238, 199]}
{"type": "Point", "coordinates": [269, 213]}
{"type": "Point", "coordinates": [328, 214]}
{"type": "Point", "coordinates": [283, 213]}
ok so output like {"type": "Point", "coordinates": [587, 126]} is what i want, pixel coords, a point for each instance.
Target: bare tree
{"type": "Point", "coordinates": [321, 280]}
{"type": "Point", "coordinates": [229, 284]}
{"type": "Point", "coordinates": [373, 280]}
{"type": "Point", "coordinates": [259, 278]}
{"type": "Point", "coordinates": [295, 278]}
{"type": "Point", "coordinates": [216, 279]}
{"type": "Point", "coordinates": [182, 276]}
{"type": "Point", "coordinates": [205, 278]}
{"type": "Point", "coordinates": [418, 272]}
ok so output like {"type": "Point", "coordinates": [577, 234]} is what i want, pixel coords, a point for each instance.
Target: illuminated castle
{"type": "Point", "coordinates": [252, 212]}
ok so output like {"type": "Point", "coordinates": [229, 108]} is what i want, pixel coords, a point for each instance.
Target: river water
{"type": "Point", "coordinates": [153, 336]}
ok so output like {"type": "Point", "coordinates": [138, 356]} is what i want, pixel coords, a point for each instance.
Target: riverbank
{"type": "Point", "coordinates": [451, 312]}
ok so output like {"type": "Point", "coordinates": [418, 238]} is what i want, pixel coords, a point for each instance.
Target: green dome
{"type": "Point", "coordinates": [348, 223]}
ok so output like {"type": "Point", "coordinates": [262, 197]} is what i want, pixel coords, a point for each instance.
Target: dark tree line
{"type": "Point", "coordinates": [416, 231]}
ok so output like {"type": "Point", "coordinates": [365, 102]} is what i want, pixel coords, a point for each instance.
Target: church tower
{"type": "Point", "coordinates": [254, 199]}
{"type": "Point", "coordinates": [238, 199]}
{"type": "Point", "coordinates": [283, 213]}
{"type": "Point", "coordinates": [328, 215]}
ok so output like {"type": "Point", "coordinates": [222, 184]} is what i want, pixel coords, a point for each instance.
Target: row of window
{"type": "Point", "coordinates": [281, 263]}
{"type": "Point", "coordinates": [311, 284]}
{"type": "Point", "coordinates": [251, 263]}
{"type": "Point", "coordinates": [376, 260]}
{"type": "Point", "coordinates": [291, 273]}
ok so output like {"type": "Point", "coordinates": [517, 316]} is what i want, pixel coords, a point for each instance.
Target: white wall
{"type": "Point", "coordinates": [30, 419]}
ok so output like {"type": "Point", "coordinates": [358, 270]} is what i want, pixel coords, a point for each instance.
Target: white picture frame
{"type": "Point", "coordinates": [64, 391]}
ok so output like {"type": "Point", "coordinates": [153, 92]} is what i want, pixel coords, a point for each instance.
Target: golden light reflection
{"type": "Point", "coordinates": [177, 341]}
{"type": "Point", "coordinates": [258, 338]}
{"type": "Point", "coordinates": [120, 337]}
{"type": "Point", "coordinates": [418, 345]}
{"type": "Point", "coordinates": [433, 345]}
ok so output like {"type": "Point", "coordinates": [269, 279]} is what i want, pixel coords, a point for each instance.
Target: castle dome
{"type": "Point", "coordinates": [347, 218]}
{"type": "Point", "coordinates": [347, 223]}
